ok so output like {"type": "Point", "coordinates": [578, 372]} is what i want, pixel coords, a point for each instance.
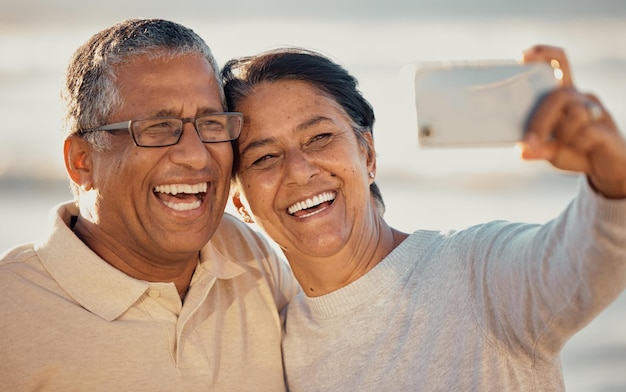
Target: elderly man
{"type": "Point", "coordinates": [127, 292]}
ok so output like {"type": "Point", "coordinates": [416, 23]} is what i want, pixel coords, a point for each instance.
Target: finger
{"type": "Point", "coordinates": [560, 156]}
{"type": "Point", "coordinates": [566, 158]}
{"type": "Point", "coordinates": [554, 56]}
{"type": "Point", "coordinates": [560, 131]}
{"type": "Point", "coordinates": [548, 112]}
{"type": "Point", "coordinates": [597, 132]}
{"type": "Point", "coordinates": [533, 149]}
{"type": "Point", "coordinates": [581, 140]}
{"type": "Point", "coordinates": [572, 122]}
{"type": "Point", "coordinates": [601, 115]}
{"type": "Point", "coordinates": [586, 140]}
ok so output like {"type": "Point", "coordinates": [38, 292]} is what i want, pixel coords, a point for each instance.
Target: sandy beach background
{"type": "Point", "coordinates": [378, 42]}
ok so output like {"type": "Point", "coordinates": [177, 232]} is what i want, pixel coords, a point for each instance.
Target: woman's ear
{"type": "Point", "coordinates": [78, 163]}
{"type": "Point", "coordinates": [241, 209]}
{"type": "Point", "coordinates": [370, 152]}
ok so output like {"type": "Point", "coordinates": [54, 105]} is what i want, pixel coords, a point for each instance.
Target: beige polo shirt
{"type": "Point", "coordinates": [70, 321]}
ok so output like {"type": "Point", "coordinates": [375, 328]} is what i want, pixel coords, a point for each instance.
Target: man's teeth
{"type": "Point", "coordinates": [183, 206]}
{"type": "Point", "coordinates": [174, 189]}
{"type": "Point", "coordinates": [308, 203]}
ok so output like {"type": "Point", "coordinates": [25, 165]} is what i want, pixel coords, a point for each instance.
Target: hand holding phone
{"type": "Point", "coordinates": [478, 104]}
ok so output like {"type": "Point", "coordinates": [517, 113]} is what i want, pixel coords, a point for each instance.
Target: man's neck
{"type": "Point", "coordinates": [176, 269]}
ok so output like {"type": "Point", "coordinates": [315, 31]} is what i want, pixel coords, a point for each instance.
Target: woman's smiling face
{"type": "Point", "coordinates": [302, 169]}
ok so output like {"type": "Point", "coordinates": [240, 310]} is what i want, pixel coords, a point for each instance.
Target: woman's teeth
{"type": "Point", "coordinates": [312, 202]}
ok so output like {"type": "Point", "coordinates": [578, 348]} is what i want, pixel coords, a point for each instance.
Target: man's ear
{"type": "Point", "coordinates": [78, 161]}
{"type": "Point", "coordinates": [241, 209]}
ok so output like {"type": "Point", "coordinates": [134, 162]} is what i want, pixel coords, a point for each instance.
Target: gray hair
{"type": "Point", "coordinates": [91, 94]}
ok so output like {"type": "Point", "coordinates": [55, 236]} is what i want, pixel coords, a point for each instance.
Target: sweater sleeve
{"type": "Point", "coordinates": [534, 286]}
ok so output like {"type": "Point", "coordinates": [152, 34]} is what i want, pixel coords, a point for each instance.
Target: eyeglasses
{"type": "Point", "coordinates": [167, 131]}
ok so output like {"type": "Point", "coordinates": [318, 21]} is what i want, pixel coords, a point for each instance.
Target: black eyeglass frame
{"type": "Point", "coordinates": [128, 126]}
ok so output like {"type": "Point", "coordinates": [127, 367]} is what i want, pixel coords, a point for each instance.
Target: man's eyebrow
{"type": "Point", "coordinates": [164, 113]}
{"type": "Point", "coordinates": [201, 112]}
{"type": "Point", "coordinates": [205, 111]}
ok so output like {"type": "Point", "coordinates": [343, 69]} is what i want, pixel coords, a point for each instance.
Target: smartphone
{"type": "Point", "coordinates": [478, 104]}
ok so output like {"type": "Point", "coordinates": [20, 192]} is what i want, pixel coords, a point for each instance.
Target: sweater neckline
{"type": "Point", "coordinates": [369, 286]}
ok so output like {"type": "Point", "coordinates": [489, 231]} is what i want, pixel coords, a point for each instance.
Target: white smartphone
{"type": "Point", "coordinates": [478, 103]}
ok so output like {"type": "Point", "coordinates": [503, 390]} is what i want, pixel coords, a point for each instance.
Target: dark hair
{"type": "Point", "coordinates": [240, 76]}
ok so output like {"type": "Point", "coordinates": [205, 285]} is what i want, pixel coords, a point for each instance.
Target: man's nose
{"type": "Point", "coordinates": [190, 150]}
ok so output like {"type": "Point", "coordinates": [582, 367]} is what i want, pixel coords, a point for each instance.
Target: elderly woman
{"type": "Point", "coordinates": [487, 308]}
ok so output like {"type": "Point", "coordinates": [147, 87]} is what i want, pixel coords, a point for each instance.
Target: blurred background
{"type": "Point", "coordinates": [379, 42]}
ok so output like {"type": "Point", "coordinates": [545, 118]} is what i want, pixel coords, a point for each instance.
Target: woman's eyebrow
{"type": "Point", "coordinates": [313, 122]}
{"type": "Point", "coordinates": [299, 128]}
{"type": "Point", "coordinates": [258, 144]}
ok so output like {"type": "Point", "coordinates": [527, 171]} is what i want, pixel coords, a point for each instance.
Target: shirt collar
{"type": "Point", "coordinates": [88, 279]}
{"type": "Point", "coordinates": [218, 264]}
{"type": "Point", "coordinates": [98, 286]}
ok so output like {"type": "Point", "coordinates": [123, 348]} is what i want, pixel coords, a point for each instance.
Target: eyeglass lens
{"type": "Point", "coordinates": [167, 131]}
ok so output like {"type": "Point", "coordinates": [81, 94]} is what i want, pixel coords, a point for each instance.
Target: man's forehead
{"type": "Point", "coordinates": [183, 86]}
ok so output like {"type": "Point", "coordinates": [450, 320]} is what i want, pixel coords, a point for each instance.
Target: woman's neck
{"type": "Point", "coordinates": [322, 275]}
